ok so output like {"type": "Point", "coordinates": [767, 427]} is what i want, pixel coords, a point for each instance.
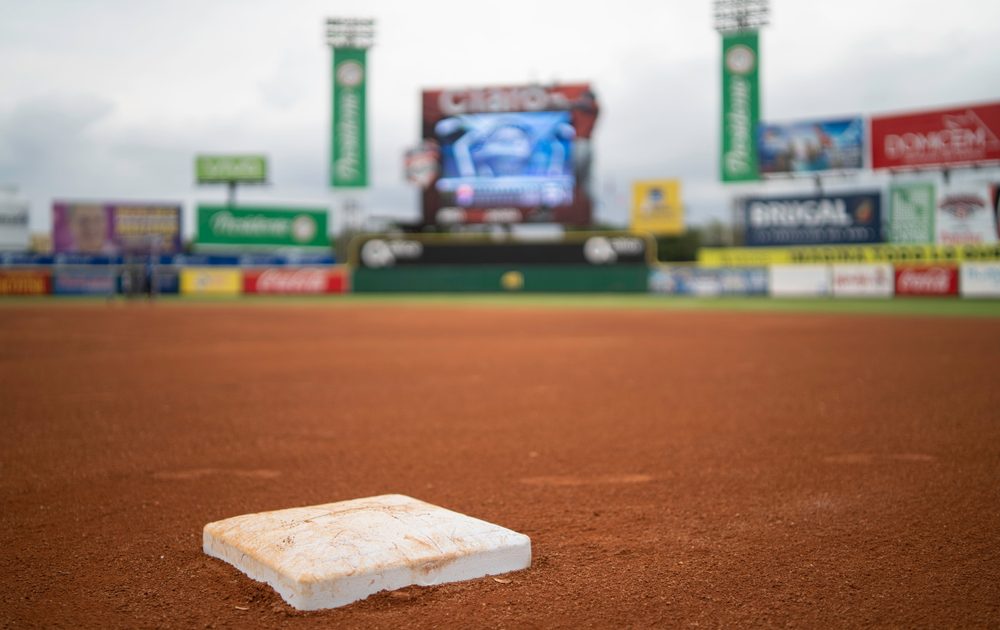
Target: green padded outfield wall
{"type": "Point", "coordinates": [503, 278]}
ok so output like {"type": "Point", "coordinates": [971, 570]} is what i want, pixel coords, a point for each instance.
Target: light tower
{"type": "Point", "coordinates": [349, 40]}
{"type": "Point", "coordinates": [738, 21]}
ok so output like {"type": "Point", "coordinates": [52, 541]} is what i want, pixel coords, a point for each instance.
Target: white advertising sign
{"type": "Point", "coordinates": [799, 280]}
{"type": "Point", "coordinates": [980, 279]}
{"type": "Point", "coordinates": [876, 280]}
{"type": "Point", "coordinates": [965, 216]}
{"type": "Point", "coordinates": [14, 235]}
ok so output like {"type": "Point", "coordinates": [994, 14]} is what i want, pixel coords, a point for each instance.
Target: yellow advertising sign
{"type": "Point", "coordinates": [895, 254]}
{"type": "Point", "coordinates": [211, 281]}
{"type": "Point", "coordinates": [657, 207]}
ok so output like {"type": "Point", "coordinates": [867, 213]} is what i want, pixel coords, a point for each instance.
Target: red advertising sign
{"type": "Point", "coordinates": [928, 280]}
{"type": "Point", "coordinates": [964, 135]}
{"type": "Point", "coordinates": [25, 282]}
{"type": "Point", "coordinates": [302, 281]}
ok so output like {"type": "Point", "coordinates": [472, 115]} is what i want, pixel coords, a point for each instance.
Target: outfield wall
{"type": "Point", "coordinates": [874, 281]}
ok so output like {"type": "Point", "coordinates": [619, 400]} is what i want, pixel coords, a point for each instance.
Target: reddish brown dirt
{"type": "Point", "coordinates": [672, 469]}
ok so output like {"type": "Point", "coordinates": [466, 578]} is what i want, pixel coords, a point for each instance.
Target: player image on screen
{"type": "Point", "coordinates": [509, 158]}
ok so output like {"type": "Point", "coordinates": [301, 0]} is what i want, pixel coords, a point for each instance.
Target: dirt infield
{"type": "Point", "coordinates": [672, 468]}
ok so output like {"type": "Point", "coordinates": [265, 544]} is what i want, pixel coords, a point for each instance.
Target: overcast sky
{"type": "Point", "coordinates": [111, 100]}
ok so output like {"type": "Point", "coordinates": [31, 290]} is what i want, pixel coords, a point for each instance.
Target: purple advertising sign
{"type": "Point", "coordinates": [116, 228]}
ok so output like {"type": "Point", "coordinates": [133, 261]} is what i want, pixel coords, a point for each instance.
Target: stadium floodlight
{"type": "Point", "coordinates": [350, 32]}
{"type": "Point", "coordinates": [734, 16]}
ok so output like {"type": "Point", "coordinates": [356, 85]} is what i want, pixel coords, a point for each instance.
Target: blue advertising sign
{"type": "Point", "coordinates": [813, 220]}
{"type": "Point", "coordinates": [83, 281]}
{"type": "Point", "coordinates": [709, 282]}
{"type": "Point", "coordinates": [811, 146]}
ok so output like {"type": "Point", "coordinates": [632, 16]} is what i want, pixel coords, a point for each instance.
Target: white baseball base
{"type": "Point", "coordinates": [325, 556]}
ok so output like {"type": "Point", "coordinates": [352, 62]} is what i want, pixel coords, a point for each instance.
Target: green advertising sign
{"type": "Point", "coordinates": [911, 212]}
{"type": "Point", "coordinates": [349, 160]}
{"type": "Point", "coordinates": [262, 227]}
{"type": "Point", "coordinates": [740, 106]}
{"type": "Point", "coordinates": [213, 169]}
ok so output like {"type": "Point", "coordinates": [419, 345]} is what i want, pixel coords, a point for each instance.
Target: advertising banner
{"type": "Point", "coordinates": [799, 280]}
{"type": "Point", "coordinates": [980, 280]}
{"type": "Point", "coordinates": [962, 135]}
{"type": "Point", "coordinates": [349, 159]}
{"type": "Point", "coordinates": [811, 146]}
{"type": "Point", "coordinates": [215, 169]}
{"type": "Point", "coordinates": [262, 227]}
{"type": "Point", "coordinates": [210, 281]}
{"type": "Point", "coordinates": [116, 228]}
{"type": "Point", "coordinates": [509, 154]}
{"type": "Point", "coordinates": [304, 281]}
{"type": "Point", "coordinates": [83, 281]}
{"type": "Point", "coordinates": [25, 282]}
{"type": "Point", "coordinates": [740, 106]}
{"type": "Point", "coordinates": [965, 216]}
{"type": "Point", "coordinates": [927, 280]}
{"type": "Point", "coordinates": [912, 207]}
{"type": "Point", "coordinates": [897, 254]}
{"type": "Point", "coordinates": [167, 280]}
{"type": "Point", "coordinates": [376, 253]}
{"type": "Point", "coordinates": [857, 281]}
{"type": "Point", "coordinates": [657, 207]}
{"type": "Point", "coordinates": [813, 220]}
{"type": "Point", "coordinates": [708, 282]}
{"type": "Point", "coordinates": [14, 234]}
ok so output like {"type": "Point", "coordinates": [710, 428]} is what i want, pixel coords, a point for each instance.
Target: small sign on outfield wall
{"type": "Point", "coordinates": [211, 281]}
{"type": "Point", "coordinates": [863, 280]}
{"type": "Point", "coordinates": [800, 280]}
{"type": "Point", "coordinates": [300, 281]}
{"type": "Point", "coordinates": [980, 280]}
{"type": "Point", "coordinates": [928, 280]}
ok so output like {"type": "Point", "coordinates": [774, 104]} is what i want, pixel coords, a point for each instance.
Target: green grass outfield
{"type": "Point", "coordinates": [947, 307]}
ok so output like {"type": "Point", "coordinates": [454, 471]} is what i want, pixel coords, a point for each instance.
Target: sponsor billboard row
{"type": "Point", "coordinates": [933, 139]}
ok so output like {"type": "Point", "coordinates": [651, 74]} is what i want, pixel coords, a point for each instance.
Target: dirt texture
{"type": "Point", "coordinates": [673, 469]}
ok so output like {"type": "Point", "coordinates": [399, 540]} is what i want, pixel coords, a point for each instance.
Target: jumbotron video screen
{"type": "Point", "coordinates": [509, 155]}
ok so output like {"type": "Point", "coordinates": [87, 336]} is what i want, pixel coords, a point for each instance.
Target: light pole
{"type": "Point", "coordinates": [349, 40]}
{"type": "Point", "coordinates": [735, 16]}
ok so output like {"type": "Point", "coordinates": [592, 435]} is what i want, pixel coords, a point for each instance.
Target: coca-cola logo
{"type": "Point", "coordinates": [935, 280]}
{"type": "Point", "coordinates": [297, 281]}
